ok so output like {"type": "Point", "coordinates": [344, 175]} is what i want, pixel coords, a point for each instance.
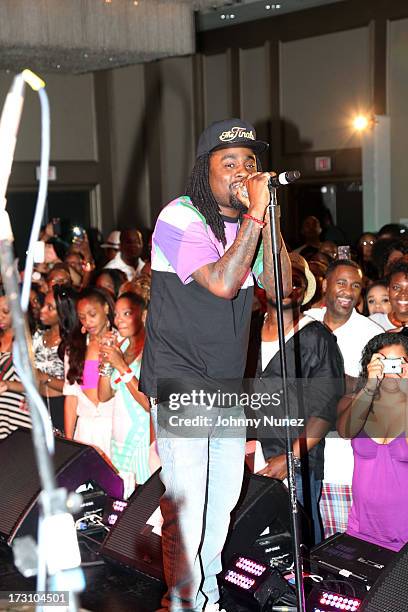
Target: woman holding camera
{"type": "Point", "coordinates": [375, 417]}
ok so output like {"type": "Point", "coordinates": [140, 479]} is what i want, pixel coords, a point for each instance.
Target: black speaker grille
{"type": "Point", "coordinates": [256, 487]}
{"type": "Point", "coordinates": [390, 592]}
{"type": "Point", "coordinates": [131, 542]}
{"type": "Point", "coordinates": [19, 476]}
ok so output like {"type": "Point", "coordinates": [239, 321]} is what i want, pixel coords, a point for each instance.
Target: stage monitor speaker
{"type": "Point", "coordinates": [390, 591]}
{"type": "Point", "coordinates": [264, 502]}
{"type": "Point", "coordinates": [75, 464]}
{"type": "Point", "coordinates": [134, 543]}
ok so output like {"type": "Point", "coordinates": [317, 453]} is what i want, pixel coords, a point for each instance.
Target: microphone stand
{"type": "Point", "coordinates": [274, 216]}
{"type": "Point", "coordinates": [56, 559]}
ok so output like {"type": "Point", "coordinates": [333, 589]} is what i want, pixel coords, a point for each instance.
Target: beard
{"type": "Point", "coordinates": [236, 204]}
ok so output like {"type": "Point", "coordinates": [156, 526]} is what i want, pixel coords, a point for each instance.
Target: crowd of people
{"type": "Point", "coordinates": [100, 326]}
{"type": "Point", "coordinates": [87, 327]}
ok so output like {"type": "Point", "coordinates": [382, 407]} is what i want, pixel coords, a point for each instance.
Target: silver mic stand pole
{"type": "Point", "coordinates": [274, 216]}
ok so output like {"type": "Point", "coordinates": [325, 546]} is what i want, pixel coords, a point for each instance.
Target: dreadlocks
{"type": "Point", "coordinates": [199, 191]}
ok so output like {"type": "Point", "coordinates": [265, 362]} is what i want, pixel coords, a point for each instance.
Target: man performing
{"type": "Point", "coordinates": [197, 327]}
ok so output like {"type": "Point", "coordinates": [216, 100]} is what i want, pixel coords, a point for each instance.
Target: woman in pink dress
{"type": "Point", "coordinates": [375, 417]}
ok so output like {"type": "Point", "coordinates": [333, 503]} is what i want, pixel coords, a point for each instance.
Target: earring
{"type": "Point", "coordinates": [83, 330]}
{"type": "Point", "coordinates": [108, 325]}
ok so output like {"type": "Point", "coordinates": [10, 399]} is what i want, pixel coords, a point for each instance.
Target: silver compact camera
{"type": "Point", "coordinates": [393, 365]}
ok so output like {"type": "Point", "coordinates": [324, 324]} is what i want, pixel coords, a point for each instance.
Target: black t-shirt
{"type": "Point", "coordinates": [315, 375]}
{"type": "Point", "coordinates": [191, 333]}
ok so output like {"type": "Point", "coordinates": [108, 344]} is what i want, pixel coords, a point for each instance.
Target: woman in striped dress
{"type": "Point", "coordinates": [131, 415]}
{"type": "Point", "coordinates": [13, 408]}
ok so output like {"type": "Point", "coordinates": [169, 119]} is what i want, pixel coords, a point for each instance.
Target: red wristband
{"type": "Point", "coordinates": [261, 223]}
{"type": "Point", "coordinates": [127, 374]}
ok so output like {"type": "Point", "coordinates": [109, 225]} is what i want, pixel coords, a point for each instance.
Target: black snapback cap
{"type": "Point", "coordinates": [229, 133]}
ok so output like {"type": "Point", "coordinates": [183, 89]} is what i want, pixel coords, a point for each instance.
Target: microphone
{"type": "Point", "coordinates": [284, 178]}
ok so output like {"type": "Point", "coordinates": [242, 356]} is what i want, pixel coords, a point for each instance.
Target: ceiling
{"type": "Point", "coordinates": [79, 36]}
{"type": "Point", "coordinates": [215, 14]}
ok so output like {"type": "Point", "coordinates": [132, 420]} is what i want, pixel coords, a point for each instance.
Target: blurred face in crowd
{"type": "Point", "coordinates": [110, 253]}
{"type": "Point", "coordinates": [49, 315]}
{"type": "Point", "coordinates": [93, 316]}
{"type": "Point", "coordinates": [5, 315]}
{"type": "Point", "coordinates": [393, 257]}
{"type": "Point", "coordinates": [318, 270]}
{"type": "Point", "coordinates": [128, 317]}
{"type": "Point", "coordinates": [50, 255]}
{"type": "Point", "coordinates": [311, 228]}
{"type": "Point", "coordinates": [398, 292]}
{"type": "Point", "coordinates": [104, 281]}
{"type": "Point", "coordinates": [35, 304]}
{"type": "Point", "coordinates": [378, 300]}
{"type": "Point", "coordinates": [58, 277]}
{"type": "Point", "coordinates": [74, 260]}
{"type": "Point", "coordinates": [329, 248]}
{"type": "Point", "coordinates": [365, 245]}
{"type": "Point", "coordinates": [131, 246]}
{"type": "Point", "coordinates": [342, 290]}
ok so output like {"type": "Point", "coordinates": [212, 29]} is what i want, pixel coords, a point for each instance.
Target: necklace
{"type": "Point", "coordinates": [52, 341]}
{"type": "Point", "coordinates": [396, 322]}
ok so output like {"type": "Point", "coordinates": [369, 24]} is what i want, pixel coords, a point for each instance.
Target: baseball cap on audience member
{"type": "Point", "coordinates": [229, 133]}
{"type": "Point", "coordinates": [112, 241]}
{"type": "Point", "coordinates": [301, 264]}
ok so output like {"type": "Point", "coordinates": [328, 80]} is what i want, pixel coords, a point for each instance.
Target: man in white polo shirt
{"type": "Point", "coordinates": [342, 288]}
{"type": "Point", "coordinates": [128, 259]}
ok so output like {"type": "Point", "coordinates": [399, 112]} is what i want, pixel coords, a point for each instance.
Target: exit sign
{"type": "Point", "coordinates": [52, 173]}
{"type": "Point", "coordinates": [323, 164]}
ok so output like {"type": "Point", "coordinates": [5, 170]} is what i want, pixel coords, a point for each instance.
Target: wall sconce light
{"type": "Point", "coordinates": [362, 122]}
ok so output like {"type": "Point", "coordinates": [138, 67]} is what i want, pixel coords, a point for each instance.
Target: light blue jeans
{"type": "Point", "coordinates": [203, 479]}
